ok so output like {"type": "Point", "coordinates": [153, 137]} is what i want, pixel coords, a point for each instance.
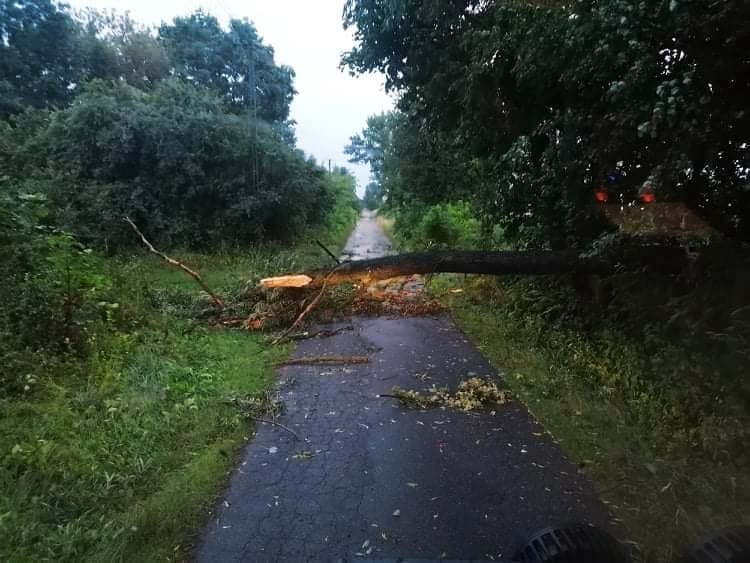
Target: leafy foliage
{"type": "Point", "coordinates": [173, 159]}
{"type": "Point", "coordinates": [125, 49]}
{"type": "Point", "coordinates": [40, 55]}
{"type": "Point", "coordinates": [186, 131]}
{"type": "Point", "coordinates": [373, 198]}
{"type": "Point", "coordinates": [54, 286]}
{"type": "Point", "coordinates": [234, 63]}
{"type": "Point", "coordinates": [544, 103]}
{"type": "Point", "coordinates": [473, 393]}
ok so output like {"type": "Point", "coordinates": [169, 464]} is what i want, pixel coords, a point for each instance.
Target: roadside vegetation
{"type": "Point", "coordinates": [119, 390]}
{"type": "Point", "coordinates": [595, 128]}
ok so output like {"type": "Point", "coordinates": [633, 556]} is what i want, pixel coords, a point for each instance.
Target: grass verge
{"type": "Point", "coordinates": [116, 455]}
{"type": "Point", "coordinates": [668, 476]}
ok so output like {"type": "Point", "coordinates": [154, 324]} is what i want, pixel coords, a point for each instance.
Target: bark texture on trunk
{"type": "Point", "coordinates": [490, 263]}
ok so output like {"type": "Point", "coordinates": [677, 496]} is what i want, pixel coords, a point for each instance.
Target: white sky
{"type": "Point", "coordinates": [307, 35]}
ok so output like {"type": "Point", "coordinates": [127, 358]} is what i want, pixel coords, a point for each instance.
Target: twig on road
{"type": "Point", "coordinates": [274, 423]}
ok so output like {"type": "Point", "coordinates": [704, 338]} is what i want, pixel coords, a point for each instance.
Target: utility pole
{"type": "Point", "coordinates": [329, 166]}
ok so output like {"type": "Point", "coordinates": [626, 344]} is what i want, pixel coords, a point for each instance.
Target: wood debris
{"type": "Point", "coordinates": [300, 280]}
{"type": "Point", "coordinates": [471, 394]}
{"type": "Point", "coordinates": [326, 360]}
{"type": "Point", "coordinates": [218, 301]}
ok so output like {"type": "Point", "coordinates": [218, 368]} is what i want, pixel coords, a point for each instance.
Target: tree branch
{"type": "Point", "coordinates": [218, 301]}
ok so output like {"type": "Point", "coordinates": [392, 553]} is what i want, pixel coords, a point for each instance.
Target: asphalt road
{"type": "Point", "coordinates": [372, 480]}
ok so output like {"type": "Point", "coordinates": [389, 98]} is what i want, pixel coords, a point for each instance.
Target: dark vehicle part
{"type": "Point", "coordinates": [731, 545]}
{"type": "Point", "coordinates": [575, 543]}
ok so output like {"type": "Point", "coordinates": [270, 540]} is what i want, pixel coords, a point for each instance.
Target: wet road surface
{"type": "Point", "coordinates": [371, 480]}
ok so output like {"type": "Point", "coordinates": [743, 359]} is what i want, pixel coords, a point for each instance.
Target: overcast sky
{"type": "Point", "coordinates": [307, 35]}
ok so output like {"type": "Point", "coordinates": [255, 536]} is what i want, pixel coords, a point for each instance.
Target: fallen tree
{"type": "Point", "coordinates": [533, 262]}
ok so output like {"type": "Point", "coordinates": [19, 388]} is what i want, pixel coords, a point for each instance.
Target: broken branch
{"type": "Point", "coordinates": [326, 360]}
{"type": "Point", "coordinates": [286, 281]}
{"type": "Point", "coordinates": [309, 308]}
{"type": "Point", "coordinates": [218, 301]}
{"type": "Point", "coordinates": [331, 254]}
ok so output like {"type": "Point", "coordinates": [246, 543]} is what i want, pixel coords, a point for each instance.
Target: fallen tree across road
{"type": "Point", "coordinates": [531, 262]}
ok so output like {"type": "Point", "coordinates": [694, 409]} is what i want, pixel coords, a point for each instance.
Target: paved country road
{"type": "Point", "coordinates": [373, 480]}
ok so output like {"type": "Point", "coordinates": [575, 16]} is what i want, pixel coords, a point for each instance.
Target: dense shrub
{"type": "Point", "coordinates": [446, 225]}
{"type": "Point", "coordinates": [172, 158]}
{"type": "Point", "coordinates": [52, 292]}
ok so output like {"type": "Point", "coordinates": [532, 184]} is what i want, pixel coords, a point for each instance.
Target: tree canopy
{"type": "Point", "coordinates": [41, 55]}
{"type": "Point", "coordinates": [542, 103]}
{"type": "Point", "coordinates": [234, 63]}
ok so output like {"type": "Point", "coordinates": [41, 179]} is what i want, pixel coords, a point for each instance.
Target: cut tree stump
{"type": "Point", "coordinates": [286, 281]}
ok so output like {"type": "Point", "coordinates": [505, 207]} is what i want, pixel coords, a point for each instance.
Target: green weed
{"type": "Point", "coordinates": [659, 431]}
{"type": "Point", "coordinates": [116, 455]}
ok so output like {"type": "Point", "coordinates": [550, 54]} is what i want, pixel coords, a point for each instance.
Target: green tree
{"type": "Point", "coordinates": [547, 102]}
{"type": "Point", "coordinates": [174, 159]}
{"type": "Point", "coordinates": [235, 63]}
{"type": "Point", "coordinates": [40, 55]}
{"type": "Point", "coordinates": [373, 196]}
{"type": "Point", "coordinates": [370, 146]}
{"type": "Point", "coordinates": [130, 51]}
{"type": "Point", "coordinates": [412, 164]}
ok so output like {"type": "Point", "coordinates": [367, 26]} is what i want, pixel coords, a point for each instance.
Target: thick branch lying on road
{"type": "Point", "coordinates": [311, 361]}
{"type": "Point", "coordinates": [665, 259]}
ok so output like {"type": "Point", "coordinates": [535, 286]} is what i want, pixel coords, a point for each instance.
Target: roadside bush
{"type": "Point", "coordinates": [445, 225]}
{"type": "Point", "coordinates": [52, 285]}
{"type": "Point", "coordinates": [186, 170]}
{"type": "Point", "coordinates": [346, 206]}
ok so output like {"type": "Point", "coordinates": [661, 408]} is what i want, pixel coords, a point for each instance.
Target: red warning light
{"type": "Point", "coordinates": [601, 194]}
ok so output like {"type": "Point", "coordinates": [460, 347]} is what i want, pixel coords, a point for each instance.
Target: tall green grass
{"type": "Point", "coordinates": [116, 455]}
{"type": "Point", "coordinates": [661, 433]}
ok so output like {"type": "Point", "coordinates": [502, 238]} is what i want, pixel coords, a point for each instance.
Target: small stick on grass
{"type": "Point", "coordinates": [218, 301]}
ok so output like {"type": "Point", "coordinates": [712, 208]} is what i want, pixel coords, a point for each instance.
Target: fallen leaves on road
{"type": "Point", "coordinates": [471, 394]}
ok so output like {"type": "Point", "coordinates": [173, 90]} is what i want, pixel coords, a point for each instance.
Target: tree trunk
{"type": "Point", "coordinates": [667, 260]}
